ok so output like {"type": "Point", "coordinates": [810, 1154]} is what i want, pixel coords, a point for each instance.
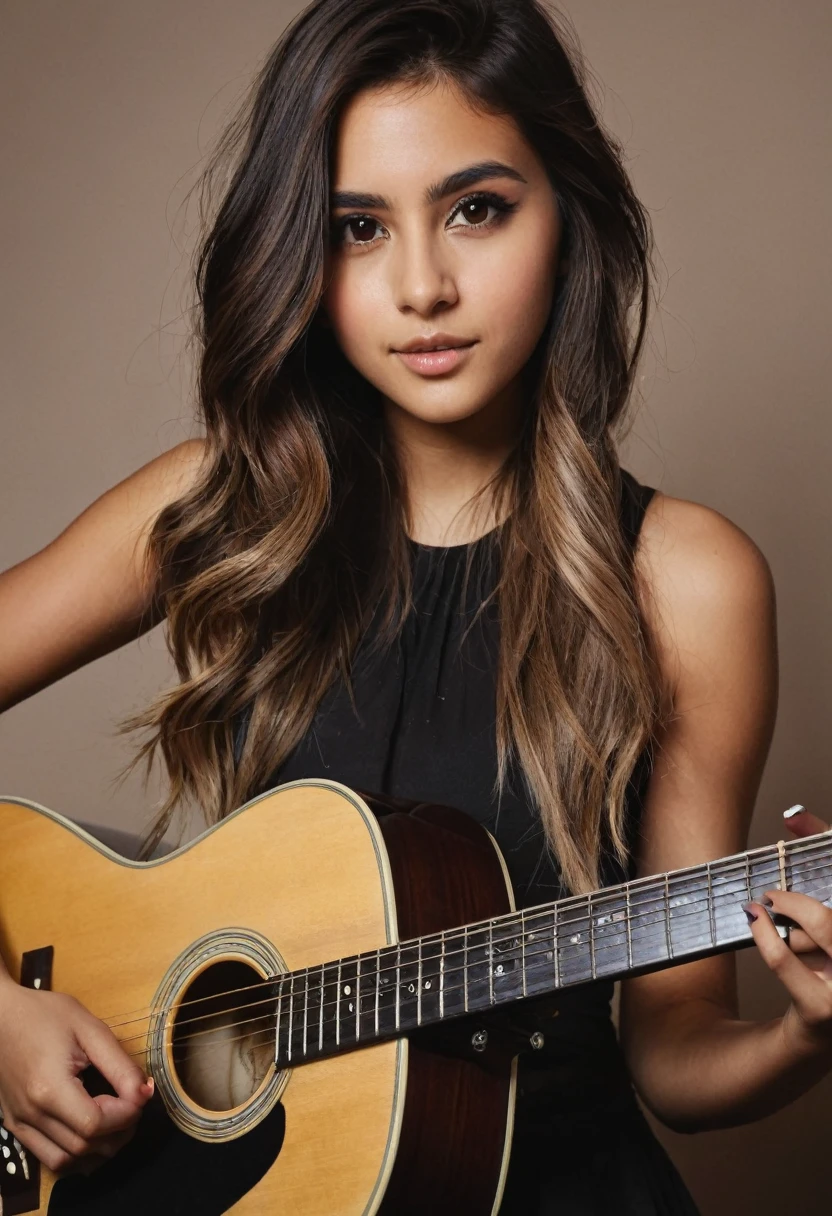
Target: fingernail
{"type": "Point", "coordinates": [766, 902]}
{"type": "Point", "coordinates": [794, 810]}
{"type": "Point", "coordinates": [752, 916]}
{"type": "Point", "coordinates": [149, 1085]}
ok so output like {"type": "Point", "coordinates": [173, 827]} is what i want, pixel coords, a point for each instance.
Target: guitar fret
{"type": "Point", "coordinates": [491, 961]}
{"type": "Point", "coordinates": [628, 915]}
{"type": "Point", "coordinates": [279, 1014]}
{"type": "Point", "coordinates": [711, 913]}
{"type": "Point", "coordinates": [321, 1012]}
{"type": "Point", "coordinates": [378, 985]}
{"type": "Point", "coordinates": [398, 984]}
{"type": "Point", "coordinates": [419, 983]}
{"type": "Point", "coordinates": [358, 998]}
{"type": "Point", "coordinates": [338, 1009]}
{"type": "Point", "coordinates": [442, 974]}
{"type": "Point", "coordinates": [291, 1015]}
{"type": "Point", "coordinates": [465, 966]}
{"type": "Point", "coordinates": [523, 950]}
{"type": "Point", "coordinates": [556, 945]}
{"type": "Point", "coordinates": [592, 966]}
{"type": "Point", "coordinates": [667, 916]}
{"type": "Point", "coordinates": [305, 1006]}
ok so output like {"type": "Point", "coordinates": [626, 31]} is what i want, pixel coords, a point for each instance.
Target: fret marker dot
{"type": "Point", "coordinates": [347, 990]}
{"type": "Point", "coordinates": [11, 1168]}
{"type": "Point", "coordinates": [427, 983]}
{"type": "Point", "coordinates": [574, 940]}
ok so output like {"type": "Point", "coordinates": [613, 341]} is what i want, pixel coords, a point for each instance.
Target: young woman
{"type": "Point", "coordinates": [404, 556]}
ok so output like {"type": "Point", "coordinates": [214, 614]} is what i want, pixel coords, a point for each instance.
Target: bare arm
{"type": "Point", "coordinates": [712, 612]}
{"type": "Point", "coordinates": [86, 593]}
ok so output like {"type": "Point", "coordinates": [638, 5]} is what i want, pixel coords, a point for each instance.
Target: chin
{"type": "Point", "coordinates": [440, 414]}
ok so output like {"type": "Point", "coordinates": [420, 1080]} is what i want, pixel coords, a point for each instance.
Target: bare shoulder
{"type": "Point", "coordinates": [700, 575]}
{"type": "Point", "coordinates": [89, 590]}
{"type": "Point", "coordinates": [157, 483]}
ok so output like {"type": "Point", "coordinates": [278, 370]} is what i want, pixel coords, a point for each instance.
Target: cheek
{"type": "Point", "coordinates": [514, 288]}
{"type": "Point", "coordinates": [355, 306]}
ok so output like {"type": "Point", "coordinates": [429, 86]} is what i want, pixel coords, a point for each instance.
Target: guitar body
{"type": "Point", "coordinates": [303, 874]}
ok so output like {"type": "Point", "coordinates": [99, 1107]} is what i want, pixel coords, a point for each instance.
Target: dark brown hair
{"type": "Point", "coordinates": [271, 567]}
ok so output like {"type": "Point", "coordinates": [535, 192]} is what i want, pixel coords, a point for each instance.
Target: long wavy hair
{"type": "Point", "coordinates": [294, 537]}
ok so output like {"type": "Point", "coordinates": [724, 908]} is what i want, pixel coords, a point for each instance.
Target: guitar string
{"type": "Point", "coordinates": [270, 1031]}
{"type": "Point", "coordinates": [316, 969]}
{"type": "Point", "coordinates": [638, 885]}
{"type": "Point", "coordinates": [270, 1034]}
{"type": "Point", "coordinates": [316, 1009]}
{"type": "Point", "coordinates": [630, 918]}
{"type": "Point", "coordinates": [694, 908]}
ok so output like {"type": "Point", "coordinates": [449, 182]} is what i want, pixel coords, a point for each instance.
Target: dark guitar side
{"type": "Point", "coordinates": [458, 1112]}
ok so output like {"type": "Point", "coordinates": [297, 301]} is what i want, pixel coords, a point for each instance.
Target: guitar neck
{"type": "Point", "coordinates": [611, 934]}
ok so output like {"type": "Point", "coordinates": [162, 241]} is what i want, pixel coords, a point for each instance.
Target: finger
{"type": "Point", "coordinates": [117, 1114]}
{"type": "Point", "coordinates": [812, 916]}
{"type": "Point", "coordinates": [108, 1146]}
{"type": "Point", "coordinates": [66, 1102]}
{"type": "Point", "coordinates": [65, 1138]}
{"type": "Point", "coordinates": [106, 1053]}
{"type": "Point", "coordinates": [806, 989]}
{"type": "Point", "coordinates": [799, 821]}
{"type": "Point", "coordinates": [47, 1152]}
{"type": "Point", "coordinates": [801, 943]}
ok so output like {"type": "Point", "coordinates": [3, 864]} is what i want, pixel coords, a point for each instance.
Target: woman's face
{"type": "Point", "coordinates": [423, 257]}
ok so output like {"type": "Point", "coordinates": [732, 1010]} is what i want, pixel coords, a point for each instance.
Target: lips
{"type": "Point", "coordinates": [434, 362]}
{"type": "Point", "coordinates": [433, 343]}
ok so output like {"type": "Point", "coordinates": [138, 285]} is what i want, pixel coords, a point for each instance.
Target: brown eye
{"type": "Point", "coordinates": [482, 210]}
{"type": "Point", "coordinates": [475, 210]}
{"type": "Point", "coordinates": [358, 230]}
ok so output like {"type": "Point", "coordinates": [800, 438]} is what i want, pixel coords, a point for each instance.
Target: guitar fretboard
{"type": "Point", "coordinates": [620, 931]}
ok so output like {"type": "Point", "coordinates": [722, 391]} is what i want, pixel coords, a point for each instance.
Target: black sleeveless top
{"type": "Point", "coordinates": [423, 728]}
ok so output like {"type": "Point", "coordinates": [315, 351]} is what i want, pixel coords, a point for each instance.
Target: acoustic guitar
{"type": "Point", "coordinates": [318, 987]}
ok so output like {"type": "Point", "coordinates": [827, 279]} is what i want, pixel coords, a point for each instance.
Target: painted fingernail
{"type": "Point", "coordinates": [794, 810]}
{"type": "Point", "coordinates": [752, 916]}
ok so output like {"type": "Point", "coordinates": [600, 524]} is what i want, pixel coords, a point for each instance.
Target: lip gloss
{"type": "Point", "coordinates": [435, 362]}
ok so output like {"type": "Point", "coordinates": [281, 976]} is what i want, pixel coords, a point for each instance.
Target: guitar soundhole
{"type": "Point", "coordinates": [223, 1035]}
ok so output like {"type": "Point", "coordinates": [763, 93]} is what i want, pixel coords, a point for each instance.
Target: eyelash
{"type": "Point", "coordinates": [502, 206]}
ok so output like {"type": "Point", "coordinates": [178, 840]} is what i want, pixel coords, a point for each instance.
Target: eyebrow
{"type": "Point", "coordinates": [461, 180]}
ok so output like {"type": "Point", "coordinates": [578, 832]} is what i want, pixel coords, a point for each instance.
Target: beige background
{"type": "Point", "coordinates": [724, 109]}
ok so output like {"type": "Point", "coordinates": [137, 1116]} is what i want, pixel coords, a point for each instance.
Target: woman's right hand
{"type": "Point", "coordinates": [46, 1040]}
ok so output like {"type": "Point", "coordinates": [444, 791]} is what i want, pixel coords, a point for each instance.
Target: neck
{"type": "Point", "coordinates": [447, 464]}
{"type": "Point", "coordinates": [620, 931]}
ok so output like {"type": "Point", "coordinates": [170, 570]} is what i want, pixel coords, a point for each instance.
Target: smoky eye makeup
{"type": "Point", "coordinates": [361, 224]}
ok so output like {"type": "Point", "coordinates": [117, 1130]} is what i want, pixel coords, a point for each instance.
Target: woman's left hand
{"type": "Point", "coordinates": [804, 966]}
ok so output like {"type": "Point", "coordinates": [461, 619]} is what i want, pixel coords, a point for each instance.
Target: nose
{"type": "Point", "coordinates": [422, 275]}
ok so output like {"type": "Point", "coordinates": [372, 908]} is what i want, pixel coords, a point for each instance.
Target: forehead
{"type": "Point", "coordinates": [397, 139]}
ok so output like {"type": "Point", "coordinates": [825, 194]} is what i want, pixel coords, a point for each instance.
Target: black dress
{"type": "Point", "coordinates": [425, 730]}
